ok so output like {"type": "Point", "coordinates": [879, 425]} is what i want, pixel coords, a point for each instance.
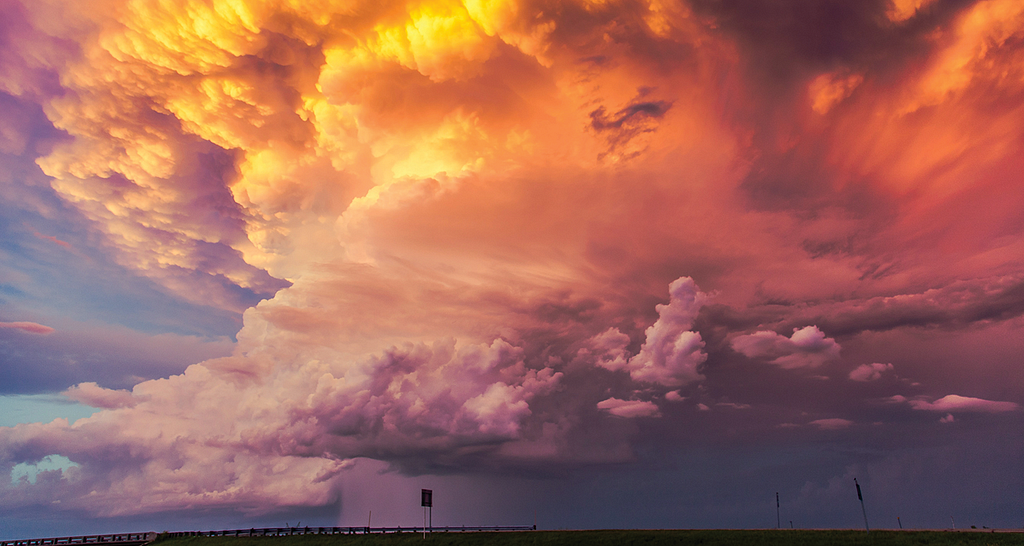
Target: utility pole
{"type": "Point", "coordinates": [861, 498]}
{"type": "Point", "coordinates": [778, 517]}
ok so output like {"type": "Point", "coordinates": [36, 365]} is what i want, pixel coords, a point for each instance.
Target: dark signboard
{"type": "Point", "coordinates": [427, 497]}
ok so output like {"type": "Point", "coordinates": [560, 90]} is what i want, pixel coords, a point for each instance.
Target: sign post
{"type": "Point", "coordinates": [427, 502]}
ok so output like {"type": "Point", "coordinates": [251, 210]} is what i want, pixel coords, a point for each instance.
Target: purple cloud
{"type": "Point", "coordinates": [629, 408]}
{"type": "Point", "coordinates": [869, 372]}
{"type": "Point", "coordinates": [806, 348]}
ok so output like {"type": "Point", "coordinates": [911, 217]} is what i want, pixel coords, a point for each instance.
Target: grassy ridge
{"type": "Point", "coordinates": [628, 538]}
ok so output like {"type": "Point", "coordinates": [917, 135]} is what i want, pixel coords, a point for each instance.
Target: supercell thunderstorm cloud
{"type": "Point", "coordinates": [629, 263]}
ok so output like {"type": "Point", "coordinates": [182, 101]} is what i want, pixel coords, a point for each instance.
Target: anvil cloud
{"type": "Point", "coordinates": [284, 246]}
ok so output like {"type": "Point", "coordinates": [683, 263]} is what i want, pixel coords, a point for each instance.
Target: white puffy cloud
{"type": "Point", "coordinates": [806, 348]}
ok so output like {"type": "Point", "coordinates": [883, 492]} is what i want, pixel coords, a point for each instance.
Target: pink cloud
{"type": "Point", "coordinates": [831, 424]}
{"type": "Point", "coordinates": [869, 372]}
{"type": "Point", "coordinates": [52, 239]}
{"type": "Point", "coordinates": [733, 405]}
{"type": "Point", "coordinates": [610, 349]}
{"type": "Point", "coordinates": [282, 437]}
{"type": "Point", "coordinates": [92, 395]}
{"type": "Point", "coordinates": [629, 408]}
{"type": "Point", "coordinates": [674, 396]}
{"type": "Point", "coordinates": [671, 352]}
{"type": "Point", "coordinates": [474, 226]}
{"type": "Point", "coordinates": [806, 348]}
{"type": "Point", "coordinates": [954, 402]}
{"type": "Point", "coordinates": [30, 327]}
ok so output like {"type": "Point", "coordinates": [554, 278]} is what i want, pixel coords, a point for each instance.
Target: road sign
{"type": "Point", "coordinates": [427, 497]}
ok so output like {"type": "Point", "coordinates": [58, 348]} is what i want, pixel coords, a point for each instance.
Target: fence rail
{"type": "Point", "coordinates": [286, 531]}
{"type": "Point", "coordinates": [138, 539]}
{"type": "Point", "coordinates": [121, 539]}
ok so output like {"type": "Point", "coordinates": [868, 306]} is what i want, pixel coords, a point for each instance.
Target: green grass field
{"type": "Point", "coordinates": [609, 538]}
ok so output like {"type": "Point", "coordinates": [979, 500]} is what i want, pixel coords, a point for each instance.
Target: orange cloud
{"type": "Point", "coordinates": [462, 218]}
{"type": "Point", "coordinates": [901, 10]}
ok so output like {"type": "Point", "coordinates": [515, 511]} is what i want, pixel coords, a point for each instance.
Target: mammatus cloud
{"type": "Point", "coordinates": [30, 327]}
{"type": "Point", "coordinates": [869, 372]}
{"type": "Point", "coordinates": [806, 348]}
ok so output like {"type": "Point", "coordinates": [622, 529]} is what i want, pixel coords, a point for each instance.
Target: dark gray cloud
{"type": "Point", "coordinates": [953, 306]}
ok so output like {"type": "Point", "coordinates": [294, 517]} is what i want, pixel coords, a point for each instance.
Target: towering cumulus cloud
{"type": "Point", "coordinates": [512, 236]}
{"type": "Point", "coordinates": [671, 352]}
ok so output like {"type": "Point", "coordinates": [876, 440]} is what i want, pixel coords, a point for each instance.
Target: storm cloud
{"type": "Point", "coordinates": [283, 246]}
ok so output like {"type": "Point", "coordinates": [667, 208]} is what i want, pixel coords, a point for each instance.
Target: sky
{"type": "Point", "coordinates": [578, 263]}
